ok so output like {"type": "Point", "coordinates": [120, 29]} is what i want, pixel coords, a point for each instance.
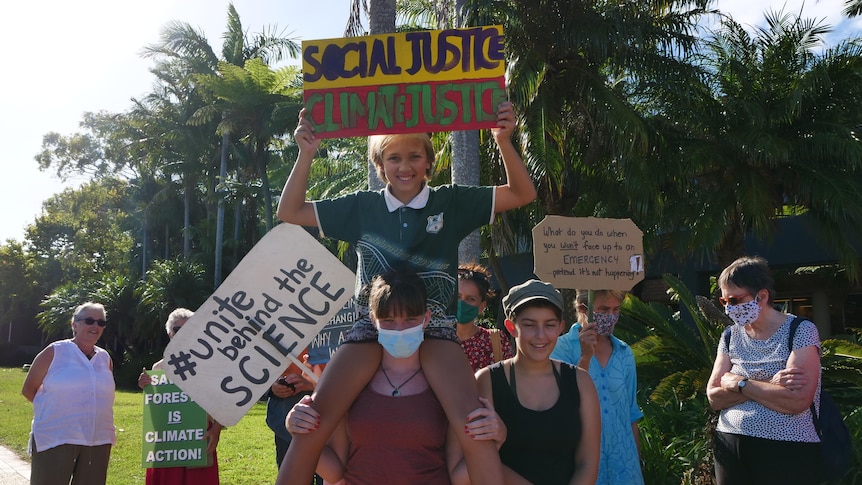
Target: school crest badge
{"type": "Point", "coordinates": [435, 224]}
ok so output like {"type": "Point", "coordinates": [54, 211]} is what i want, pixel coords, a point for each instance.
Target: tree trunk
{"type": "Point", "coordinates": [465, 152]}
{"type": "Point", "coordinates": [465, 171]}
{"type": "Point", "coordinates": [187, 223]}
{"type": "Point", "coordinates": [381, 20]}
{"type": "Point", "coordinates": [219, 242]}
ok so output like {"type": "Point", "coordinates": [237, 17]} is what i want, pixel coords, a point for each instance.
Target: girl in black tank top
{"type": "Point", "coordinates": [550, 409]}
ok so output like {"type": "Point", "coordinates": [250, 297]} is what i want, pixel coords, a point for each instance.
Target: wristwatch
{"type": "Point", "coordinates": [741, 384]}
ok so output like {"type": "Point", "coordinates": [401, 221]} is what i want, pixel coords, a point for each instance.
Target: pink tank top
{"type": "Point", "coordinates": [396, 440]}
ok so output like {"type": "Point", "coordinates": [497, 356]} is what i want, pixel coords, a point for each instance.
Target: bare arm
{"type": "Point", "coordinates": [37, 373]}
{"type": "Point", "coordinates": [791, 397]}
{"type": "Point", "coordinates": [587, 454]}
{"type": "Point", "coordinates": [777, 397]}
{"type": "Point", "coordinates": [719, 397]}
{"type": "Point", "coordinates": [333, 458]}
{"type": "Point", "coordinates": [589, 338]}
{"type": "Point", "coordinates": [292, 207]}
{"type": "Point", "coordinates": [304, 419]}
{"type": "Point", "coordinates": [482, 424]}
{"type": "Point", "coordinates": [455, 459]}
{"type": "Point", "coordinates": [212, 436]}
{"type": "Point", "coordinates": [519, 189]}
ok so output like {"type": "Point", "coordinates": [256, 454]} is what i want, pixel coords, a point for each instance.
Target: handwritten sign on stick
{"type": "Point", "coordinates": [588, 253]}
{"type": "Point", "coordinates": [272, 305]}
{"type": "Point", "coordinates": [406, 82]}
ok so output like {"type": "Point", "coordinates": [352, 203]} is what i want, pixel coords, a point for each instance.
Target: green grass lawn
{"type": "Point", "coordinates": [246, 451]}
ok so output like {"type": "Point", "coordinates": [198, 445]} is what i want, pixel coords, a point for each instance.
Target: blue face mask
{"type": "Point", "coordinates": [401, 343]}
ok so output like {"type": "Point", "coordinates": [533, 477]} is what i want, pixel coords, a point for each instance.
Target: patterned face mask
{"type": "Point", "coordinates": [743, 313]}
{"type": "Point", "coordinates": [605, 322]}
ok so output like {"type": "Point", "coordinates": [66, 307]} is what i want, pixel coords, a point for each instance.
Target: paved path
{"type": "Point", "coordinates": [13, 470]}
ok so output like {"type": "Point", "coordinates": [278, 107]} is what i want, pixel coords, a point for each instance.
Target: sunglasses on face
{"type": "Point", "coordinates": [732, 300]}
{"type": "Point", "coordinates": [90, 320]}
{"type": "Point", "coordinates": [174, 330]}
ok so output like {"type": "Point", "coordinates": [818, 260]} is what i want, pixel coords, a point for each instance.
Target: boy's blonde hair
{"type": "Point", "coordinates": [377, 144]}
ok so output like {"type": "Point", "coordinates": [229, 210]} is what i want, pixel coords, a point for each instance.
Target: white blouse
{"type": "Point", "coordinates": [75, 403]}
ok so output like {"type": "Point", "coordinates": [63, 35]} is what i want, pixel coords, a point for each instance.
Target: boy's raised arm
{"type": "Point", "coordinates": [292, 207]}
{"type": "Point", "coordinates": [519, 189]}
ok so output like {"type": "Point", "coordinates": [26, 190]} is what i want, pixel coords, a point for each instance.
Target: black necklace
{"type": "Point", "coordinates": [395, 389]}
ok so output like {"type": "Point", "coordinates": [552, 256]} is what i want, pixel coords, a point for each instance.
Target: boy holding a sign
{"type": "Point", "coordinates": [407, 222]}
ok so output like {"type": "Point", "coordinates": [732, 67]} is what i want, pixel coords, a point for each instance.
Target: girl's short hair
{"type": "Point", "coordinates": [397, 292]}
{"type": "Point", "coordinates": [751, 273]}
{"type": "Point", "coordinates": [377, 144]}
{"type": "Point", "coordinates": [480, 276]}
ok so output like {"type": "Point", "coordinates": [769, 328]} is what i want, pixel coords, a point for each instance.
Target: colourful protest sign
{"type": "Point", "coordinates": [174, 426]}
{"type": "Point", "coordinates": [408, 82]}
{"type": "Point", "coordinates": [268, 309]}
{"type": "Point", "coordinates": [588, 253]}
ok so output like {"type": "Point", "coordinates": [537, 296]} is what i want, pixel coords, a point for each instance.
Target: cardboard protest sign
{"type": "Point", "coordinates": [407, 82]}
{"type": "Point", "coordinates": [327, 341]}
{"type": "Point", "coordinates": [174, 426]}
{"type": "Point", "coordinates": [268, 309]}
{"type": "Point", "coordinates": [588, 253]}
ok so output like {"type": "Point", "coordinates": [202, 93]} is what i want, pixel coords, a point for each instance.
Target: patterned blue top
{"type": "Point", "coordinates": [616, 386]}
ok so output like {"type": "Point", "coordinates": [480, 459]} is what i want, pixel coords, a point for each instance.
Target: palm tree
{"type": "Point", "coordinates": [257, 104]}
{"type": "Point", "coordinates": [577, 70]}
{"type": "Point", "coordinates": [852, 8]}
{"type": "Point", "coordinates": [765, 131]}
{"type": "Point", "coordinates": [187, 47]}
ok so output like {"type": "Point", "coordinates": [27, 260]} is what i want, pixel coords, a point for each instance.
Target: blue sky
{"type": "Point", "coordinates": [72, 57]}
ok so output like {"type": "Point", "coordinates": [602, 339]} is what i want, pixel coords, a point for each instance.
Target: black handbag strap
{"type": "Point", "coordinates": [814, 417]}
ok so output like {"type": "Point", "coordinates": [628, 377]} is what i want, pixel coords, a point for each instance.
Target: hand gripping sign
{"type": "Point", "coordinates": [265, 313]}
{"type": "Point", "coordinates": [588, 253]}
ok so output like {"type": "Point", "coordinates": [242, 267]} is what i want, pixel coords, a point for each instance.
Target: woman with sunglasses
{"type": "Point", "coordinates": [763, 387]}
{"type": "Point", "coordinates": [71, 386]}
{"type": "Point", "coordinates": [482, 346]}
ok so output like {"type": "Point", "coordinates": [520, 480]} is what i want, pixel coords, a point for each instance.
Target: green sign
{"type": "Point", "coordinates": [174, 426]}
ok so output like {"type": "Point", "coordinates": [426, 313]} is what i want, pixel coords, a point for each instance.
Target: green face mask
{"type": "Point", "coordinates": [466, 312]}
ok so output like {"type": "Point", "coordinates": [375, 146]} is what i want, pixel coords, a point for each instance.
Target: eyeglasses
{"type": "Point", "coordinates": [732, 300]}
{"type": "Point", "coordinates": [90, 320]}
{"type": "Point", "coordinates": [176, 329]}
